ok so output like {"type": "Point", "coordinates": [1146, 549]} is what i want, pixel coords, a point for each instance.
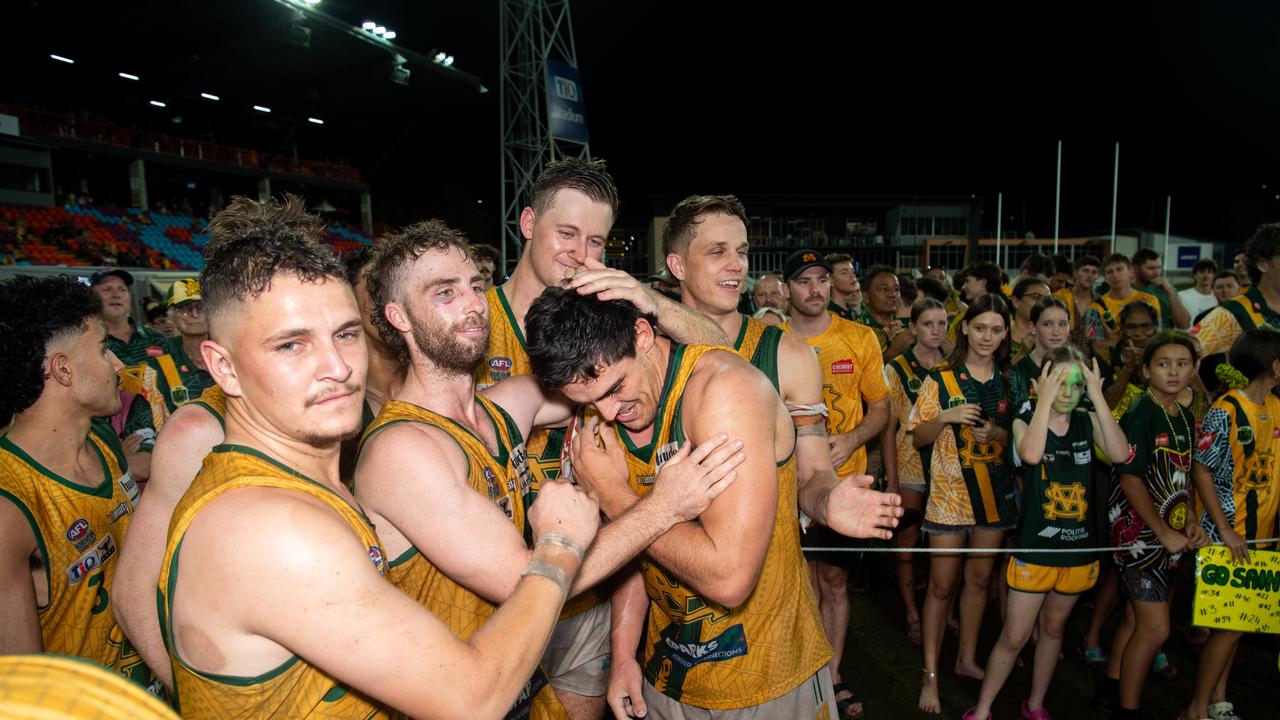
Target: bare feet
{"type": "Point", "coordinates": [929, 701]}
{"type": "Point", "coordinates": [970, 670]}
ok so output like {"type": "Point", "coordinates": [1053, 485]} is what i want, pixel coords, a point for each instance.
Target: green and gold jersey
{"type": "Point", "coordinates": [1059, 510]}
{"type": "Point", "coordinates": [757, 343]}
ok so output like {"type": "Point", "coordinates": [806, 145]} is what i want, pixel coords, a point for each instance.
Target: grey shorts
{"type": "Point", "coordinates": [812, 698]}
{"type": "Point", "coordinates": [577, 656]}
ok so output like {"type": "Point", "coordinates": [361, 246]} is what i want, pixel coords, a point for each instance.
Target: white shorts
{"type": "Point", "coordinates": [577, 656]}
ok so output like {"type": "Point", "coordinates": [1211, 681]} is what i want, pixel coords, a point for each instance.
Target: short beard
{"type": "Point", "coordinates": [442, 347]}
{"type": "Point", "coordinates": [319, 441]}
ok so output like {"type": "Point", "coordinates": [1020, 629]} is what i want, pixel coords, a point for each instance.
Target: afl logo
{"type": "Point", "coordinates": [500, 368]}
{"type": "Point", "coordinates": [77, 529]}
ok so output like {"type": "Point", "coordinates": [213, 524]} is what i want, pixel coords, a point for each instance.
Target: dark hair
{"type": "Point", "coordinates": [989, 302]}
{"type": "Point", "coordinates": [1264, 245]}
{"type": "Point", "coordinates": [834, 258]}
{"type": "Point", "coordinates": [1061, 264]}
{"type": "Point", "coordinates": [907, 288]}
{"type": "Point", "coordinates": [355, 262]}
{"type": "Point", "coordinates": [252, 242]}
{"type": "Point", "coordinates": [1144, 255]}
{"type": "Point", "coordinates": [1169, 337]}
{"type": "Point", "coordinates": [388, 267]}
{"type": "Point", "coordinates": [875, 270]}
{"type": "Point", "coordinates": [989, 272]}
{"type": "Point", "coordinates": [1227, 273]}
{"type": "Point", "coordinates": [35, 312]}
{"type": "Point", "coordinates": [588, 177]}
{"type": "Point", "coordinates": [924, 305]}
{"type": "Point", "coordinates": [486, 252]}
{"type": "Point", "coordinates": [1204, 264]}
{"type": "Point", "coordinates": [570, 337]}
{"type": "Point", "coordinates": [682, 223]}
{"type": "Point", "coordinates": [1037, 264]}
{"type": "Point", "coordinates": [1117, 258]}
{"type": "Point", "coordinates": [1044, 304]}
{"type": "Point", "coordinates": [1136, 306]}
{"type": "Point", "coordinates": [1255, 351]}
{"type": "Point", "coordinates": [1020, 287]}
{"type": "Point", "coordinates": [1064, 353]}
{"type": "Point", "coordinates": [932, 287]}
{"type": "Point", "coordinates": [1088, 261]}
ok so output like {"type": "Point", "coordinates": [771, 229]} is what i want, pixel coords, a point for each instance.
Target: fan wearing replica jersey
{"type": "Point", "coordinates": [1258, 305]}
{"type": "Point", "coordinates": [66, 495]}
{"type": "Point", "coordinates": [1102, 319]}
{"type": "Point", "coordinates": [732, 624]}
{"type": "Point", "coordinates": [572, 207]}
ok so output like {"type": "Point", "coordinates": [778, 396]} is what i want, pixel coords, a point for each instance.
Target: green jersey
{"type": "Point", "coordinates": [1058, 505]}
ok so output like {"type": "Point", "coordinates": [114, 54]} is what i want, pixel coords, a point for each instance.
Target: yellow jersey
{"type": "Point", "coordinates": [697, 651]}
{"type": "Point", "coordinates": [1237, 444]}
{"type": "Point", "coordinates": [1108, 309]}
{"type": "Point", "coordinates": [757, 343]}
{"type": "Point", "coordinates": [52, 686]}
{"type": "Point", "coordinates": [78, 532]}
{"type": "Point", "coordinates": [296, 688]}
{"type": "Point", "coordinates": [852, 374]}
{"type": "Point", "coordinates": [504, 479]}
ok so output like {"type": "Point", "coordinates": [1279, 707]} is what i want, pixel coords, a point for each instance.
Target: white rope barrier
{"type": "Point", "coordinates": [1137, 547]}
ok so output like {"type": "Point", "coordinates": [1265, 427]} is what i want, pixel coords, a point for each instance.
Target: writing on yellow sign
{"type": "Point", "coordinates": [1237, 596]}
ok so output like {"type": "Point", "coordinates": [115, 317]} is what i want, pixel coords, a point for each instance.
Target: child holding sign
{"type": "Point", "coordinates": [1059, 512]}
{"type": "Point", "coordinates": [1235, 473]}
{"type": "Point", "coordinates": [1149, 508]}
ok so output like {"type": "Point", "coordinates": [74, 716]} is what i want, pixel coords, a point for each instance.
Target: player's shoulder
{"type": "Point", "coordinates": [720, 369]}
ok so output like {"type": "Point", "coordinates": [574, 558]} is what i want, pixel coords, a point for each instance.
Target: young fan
{"type": "Point", "coordinates": [1051, 325]}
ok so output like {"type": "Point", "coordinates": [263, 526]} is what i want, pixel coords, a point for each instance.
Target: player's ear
{"type": "Point", "coordinates": [396, 315]}
{"type": "Point", "coordinates": [527, 217]}
{"type": "Point", "coordinates": [60, 368]}
{"type": "Point", "coordinates": [221, 367]}
{"type": "Point", "coordinates": [675, 263]}
{"type": "Point", "coordinates": [644, 336]}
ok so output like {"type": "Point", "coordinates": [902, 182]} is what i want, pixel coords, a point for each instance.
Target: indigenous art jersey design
{"type": "Point", "coordinates": [1238, 444]}
{"type": "Point", "coordinates": [1220, 328]}
{"type": "Point", "coordinates": [79, 531]}
{"type": "Point", "coordinates": [504, 479]}
{"type": "Point", "coordinates": [296, 688]}
{"type": "Point", "coordinates": [696, 651]}
{"type": "Point", "coordinates": [1058, 508]}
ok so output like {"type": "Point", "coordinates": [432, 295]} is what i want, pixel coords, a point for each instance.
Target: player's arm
{"type": "Point", "coordinates": [529, 403]}
{"type": "Point", "coordinates": [19, 621]}
{"type": "Point", "coordinates": [184, 441]}
{"type": "Point", "coordinates": [678, 322]}
{"type": "Point", "coordinates": [627, 608]}
{"type": "Point", "coordinates": [321, 599]}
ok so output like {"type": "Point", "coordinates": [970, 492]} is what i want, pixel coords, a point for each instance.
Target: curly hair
{"type": "Point", "coordinates": [388, 267]}
{"type": "Point", "coordinates": [64, 306]}
{"type": "Point", "coordinates": [252, 242]}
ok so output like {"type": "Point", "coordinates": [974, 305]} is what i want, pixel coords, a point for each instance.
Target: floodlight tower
{"type": "Point", "coordinates": [540, 103]}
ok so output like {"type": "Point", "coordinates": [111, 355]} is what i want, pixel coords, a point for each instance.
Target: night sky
{"type": "Point", "coordinates": [686, 97]}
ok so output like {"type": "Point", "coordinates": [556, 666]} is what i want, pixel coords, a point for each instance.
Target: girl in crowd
{"type": "Point", "coordinates": [1149, 507]}
{"type": "Point", "coordinates": [905, 465]}
{"type": "Point", "coordinates": [1236, 477]}
{"type": "Point", "coordinates": [1054, 444]}
{"type": "Point", "coordinates": [1052, 327]}
{"type": "Point", "coordinates": [964, 409]}
{"type": "Point", "coordinates": [1026, 294]}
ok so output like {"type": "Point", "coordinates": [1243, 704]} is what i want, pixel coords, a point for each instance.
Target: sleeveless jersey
{"type": "Point", "coordinates": [213, 400]}
{"type": "Point", "coordinates": [1238, 444]}
{"type": "Point", "coordinates": [53, 686]}
{"type": "Point", "coordinates": [696, 651]}
{"type": "Point", "coordinates": [506, 357]}
{"type": "Point", "coordinates": [296, 688]}
{"type": "Point", "coordinates": [504, 479]}
{"type": "Point", "coordinates": [757, 343]}
{"type": "Point", "coordinates": [78, 532]}
{"type": "Point", "coordinates": [1059, 510]}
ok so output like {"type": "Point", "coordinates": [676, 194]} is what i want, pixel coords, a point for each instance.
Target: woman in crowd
{"type": "Point", "coordinates": [1026, 294]}
{"type": "Point", "coordinates": [1052, 328]}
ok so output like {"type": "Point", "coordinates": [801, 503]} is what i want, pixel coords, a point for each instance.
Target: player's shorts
{"type": "Point", "coordinates": [1031, 578]}
{"type": "Point", "coordinates": [813, 698]}
{"type": "Point", "coordinates": [577, 657]}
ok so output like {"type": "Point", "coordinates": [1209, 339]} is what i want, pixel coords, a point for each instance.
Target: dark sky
{"type": "Point", "coordinates": [791, 98]}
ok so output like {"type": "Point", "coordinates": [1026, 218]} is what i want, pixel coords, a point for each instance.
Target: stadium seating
{"type": "Point", "coordinates": [83, 235]}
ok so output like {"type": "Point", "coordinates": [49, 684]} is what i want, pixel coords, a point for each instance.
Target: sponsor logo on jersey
{"type": "Point", "coordinates": [520, 462]}
{"type": "Point", "coordinates": [77, 529]}
{"type": "Point", "coordinates": [130, 487]}
{"type": "Point", "coordinates": [665, 453]}
{"type": "Point", "coordinates": [1162, 440]}
{"type": "Point", "coordinates": [1083, 457]}
{"type": "Point", "coordinates": [727, 645]}
{"type": "Point", "coordinates": [1206, 441]}
{"type": "Point", "coordinates": [500, 367]}
{"type": "Point", "coordinates": [842, 367]}
{"type": "Point", "coordinates": [1244, 435]}
{"type": "Point", "coordinates": [118, 512]}
{"type": "Point", "coordinates": [375, 554]}
{"type": "Point", "coordinates": [95, 558]}
{"type": "Point", "coordinates": [1002, 407]}
{"type": "Point", "coordinates": [155, 351]}
{"type": "Point", "coordinates": [913, 385]}
{"type": "Point", "coordinates": [1133, 453]}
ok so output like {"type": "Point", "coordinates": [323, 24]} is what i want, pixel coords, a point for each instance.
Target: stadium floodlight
{"type": "Point", "coordinates": [379, 30]}
{"type": "Point", "coordinates": [317, 121]}
{"type": "Point", "coordinates": [311, 2]}
{"type": "Point", "coordinates": [262, 108]}
{"type": "Point", "coordinates": [389, 35]}
{"type": "Point", "coordinates": [440, 56]}
{"type": "Point", "coordinates": [369, 25]}
{"type": "Point", "coordinates": [448, 61]}
{"type": "Point", "coordinates": [158, 104]}
{"type": "Point", "coordinates": [60, 58]}
{"type": "Point", "coordinates": [128, 76]}
{"type": "Point", "coordinates": [210, 96]}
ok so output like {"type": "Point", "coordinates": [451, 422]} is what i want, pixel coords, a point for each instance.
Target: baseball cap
{"type": "Point", "coordinates": [183, 292]}
{"type": "Point", "coordinates": [101, 275]}
{"type": "Point", "coordinates": [802, 260]}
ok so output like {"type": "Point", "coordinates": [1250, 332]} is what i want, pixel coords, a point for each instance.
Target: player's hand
{"type": "Point", "coordinates": [691, 479]}
{"type": "Point", "coordinates": [609, 284]}
{"type": "Point", "coordinates": [1050, 382]}
{"type": "Point", "coordinates": [966, 414]}
{"type": "Point", "coordinates": [1236, 544]}
{"type": "Point", "coordinates": [565, 509]}
{"type": "Point", "coordinates": [841, 447]}
{"type": "Point", "coordinates": [600, 467]}
{"type": "Point", "coordinates": [855, 510]}
{"type": "Point", "coordinates": [624, 693]}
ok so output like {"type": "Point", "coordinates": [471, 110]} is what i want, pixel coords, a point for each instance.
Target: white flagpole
{"type": "Point", "coordinates": [1057, 199]}
{"type": "Point", "coordinates": [999, 220]}
{"type": "Point", "coordinates": [1115, 189]}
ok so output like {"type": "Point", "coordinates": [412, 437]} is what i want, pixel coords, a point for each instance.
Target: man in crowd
{"type": "Point", "coordinates": [66, 495]}
{"type": "Point", "coordinates": [770, 292]}
{"type": "Point", "coordinates": [846, 295]}
{"type": "Point", "coordinates": [1148, 272]}
{"type": "Point", "coordinates": [880, 312]}
{"type": "Point", "coordinates": [1226, 285]}
{"type": "Point", "coordinates": [131, 344]}
{"type": "Point", "coordinates": [1198, 299]}
{"type": "Point", "coordinates": [1258, 305]}
{"type": "Point", "coordinates": [285, 348]}
{"type": "Point", "coordinates": [487, 260]}
{"type": "Point", "coordinates": [1063, 273]}
{"type": "Point", "coordinates": [1101, 320]}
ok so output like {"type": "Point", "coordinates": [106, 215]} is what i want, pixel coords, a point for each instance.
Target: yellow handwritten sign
{"type": "Point", "coordinates": [1237, 596]}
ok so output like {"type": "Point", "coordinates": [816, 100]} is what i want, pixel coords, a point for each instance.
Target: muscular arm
{"type": "Point", "coordinates": [19, 620]}
{"type": "Point", "coordinates": [529, 404]}
{"type": "Point", "coordinates": [350, 622]}
{"type": "Point", "coordinates": [185, 439]}
{"type": "Point", "coordinates": [872, 423]}
{"type": "Point", "coordinates": [800, 381]}
{"type": "Point", "coordinates": [684, 324]}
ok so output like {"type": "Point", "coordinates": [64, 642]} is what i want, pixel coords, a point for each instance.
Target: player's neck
{"type": "Point", "coordinates": [1120, 292]}
{"type": "Point", "coordinates": [56, 436]}
{"type": "Point", "coordinates": [446, 392]}
{"type": "Point", "coordinates": [385, 377]}
{"type": "Point", "coordinates": [318, 463]}
{"type": "Point", "coordinates": [522, 289]}
{"type": "Point", "coordinates": [1167, 402]}
{"type": "Point", "coordinates": [730, 321]}
{"type": "Point", "coordinates": [1259, 388]}
{"type": "Point", "coordinates": [805, 326]}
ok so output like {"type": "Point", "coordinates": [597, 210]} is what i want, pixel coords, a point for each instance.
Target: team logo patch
{"type": "Point", "coordinates": [1162, 440]}
{"type": "Point", "coordinates": [155, 351]}
{"type": "Point", "coordinates": [95, 558]}
{"type": "Point", "coordinates": [1206, 441]}
{"type": "Point", "coordinates": [842, 367]}
{"type": "Point", "coordinates": [955, 401]}
{"type": "Point", "coordinates": [500, 367]}
{"type": "Point", "coordinates": [1002, 406]}
{"type": "Point", "coordinates": [914, 386]}
{"type": "Point", "coordinates": [1244, 435]}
